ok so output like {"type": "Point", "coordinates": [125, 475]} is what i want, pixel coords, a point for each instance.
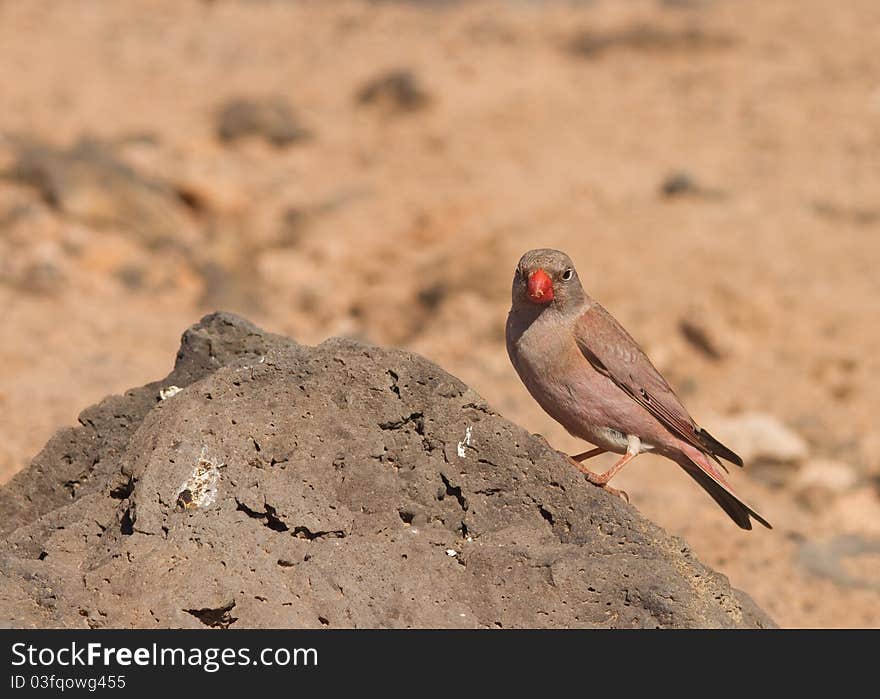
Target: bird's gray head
{"type": "Point", "coordinates": [546, 277]}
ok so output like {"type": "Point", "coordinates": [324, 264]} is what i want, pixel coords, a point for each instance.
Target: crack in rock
{"type": "Point", "coordinates": [215, 618]}
{"type": "Point", "coordinates": [454, 491]}
{"type": "Point", "coordinates": [416, 418]}
{"type": "Point", "coordinates": [305, 533]}
{"type": "Point", "coordinates": [272, 521]}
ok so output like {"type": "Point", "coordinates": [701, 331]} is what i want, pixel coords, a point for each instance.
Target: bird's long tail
{"type": "Point", "coordinates": [703, 471]}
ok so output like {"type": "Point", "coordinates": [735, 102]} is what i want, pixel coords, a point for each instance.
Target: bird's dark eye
{"type": "Point", "coordinates": [567, 274]}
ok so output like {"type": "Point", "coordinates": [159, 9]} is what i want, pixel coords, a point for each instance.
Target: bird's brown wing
{"type": "Point", "coordinates": [613, 352]}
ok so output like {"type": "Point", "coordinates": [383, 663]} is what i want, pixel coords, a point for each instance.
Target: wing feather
{"type": "Point", "coordinates": [613, 352]}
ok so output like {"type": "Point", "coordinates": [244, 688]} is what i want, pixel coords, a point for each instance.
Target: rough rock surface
{"type": "Point", "coordinates": [338, 485]}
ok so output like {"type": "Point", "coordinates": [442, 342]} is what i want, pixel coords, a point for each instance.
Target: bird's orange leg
{"type": "Point", "coordinates": [601, 479]}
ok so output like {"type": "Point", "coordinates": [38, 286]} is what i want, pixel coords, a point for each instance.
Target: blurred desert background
{"type": "Point", "coordinates": [375, 170]}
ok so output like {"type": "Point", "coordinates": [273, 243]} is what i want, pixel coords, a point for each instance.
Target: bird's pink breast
{"type": "Point", "coordinates": [588, 404]}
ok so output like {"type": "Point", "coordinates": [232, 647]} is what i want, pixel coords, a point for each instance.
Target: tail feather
{"type": "Point", "coordinates": [711, 480]}
{"type": "Point", "coordinates": [716, 448]}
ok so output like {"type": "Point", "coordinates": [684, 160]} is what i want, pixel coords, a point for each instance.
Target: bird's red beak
{"type": "Point", "coordinates": [540, 287]}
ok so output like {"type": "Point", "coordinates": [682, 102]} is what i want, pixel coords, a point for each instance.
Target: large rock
{"type": "Point", "coordinates": [271, 118]}
{"type": "Point", "coordinates": [90, 183]}
{"type": "Point", "coordinates": [338, 485]}
{"type": "Point", "coordinates": [760, 438]}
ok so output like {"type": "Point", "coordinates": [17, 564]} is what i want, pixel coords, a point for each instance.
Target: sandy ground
{"type": "Point", "coordinates": [400, 217]}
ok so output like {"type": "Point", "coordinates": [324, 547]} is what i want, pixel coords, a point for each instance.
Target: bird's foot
{"type": "Point", "coordinates": [622, 494]}
{"type": "Point", "coordinates": [597, 479]}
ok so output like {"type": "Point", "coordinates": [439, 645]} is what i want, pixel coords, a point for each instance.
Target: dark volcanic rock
{"type": "Point", "coordinates": [338, 485]}
{"type": "Point", "coordinates": [90, 183]}
{"type": "Point", "coordinates": [682, 184]}
{"type": "Point", "coordinates": [396, 91]}
{"type": "Point", "coordinates": [271, 118]}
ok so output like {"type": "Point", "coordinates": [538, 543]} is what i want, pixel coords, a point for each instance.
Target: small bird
{"type": "Point", "coordinates": [592, 377]}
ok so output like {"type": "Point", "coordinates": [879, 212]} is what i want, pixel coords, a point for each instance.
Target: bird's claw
{"type": "Point", "coordinates": [600, 482]}
{"type": "Point", "coordinates": [616, 491]}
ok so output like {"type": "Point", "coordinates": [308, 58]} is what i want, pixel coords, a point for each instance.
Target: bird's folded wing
{"type": "Point", "coordinates": [613, 352]}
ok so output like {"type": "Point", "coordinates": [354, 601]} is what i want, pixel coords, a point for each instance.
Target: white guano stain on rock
{"type": "Point", "coordinates": [466, 442]}
{"type": "Point", "coordinates": [166, 393]}
{"type": "Point", "coordinates": [200, 489]}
